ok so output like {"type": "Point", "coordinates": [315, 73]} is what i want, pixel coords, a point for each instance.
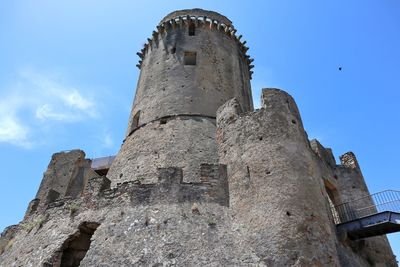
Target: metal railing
{"type": "Point", "coordinates": [388, 200]}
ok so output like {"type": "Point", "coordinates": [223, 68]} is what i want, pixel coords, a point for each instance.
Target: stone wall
{"type": "Point", "coordinates": [345, 183]}
{"type": "Point", "coordinates": [170, 187]}
{"type": "Point", "coordinates": [276, 190]}
{"type": "Point", "coordinates": [7, 238]}
{"type": "Point", "coordinates": [268, 201]}
{"type": "Point", "coordinates": [184, 234]}
{"type": "Point", "coordinates": [181, 141]}
{"type": "Point", "coordinates": [190, 187]}
{"type": "Point", "coordinates": [167, 86]}
{"type": "Point", "coordinates": [374, 250]}
{"type": "Point", "coordinates": [163, 224]}
{"type": "Point", "coordinates": [66, 175]}
{"type": "Point", "coordinates": [172, 122]}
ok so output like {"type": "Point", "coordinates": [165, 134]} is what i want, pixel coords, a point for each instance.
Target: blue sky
{"type": "Point", "coordinates": [68, 77]}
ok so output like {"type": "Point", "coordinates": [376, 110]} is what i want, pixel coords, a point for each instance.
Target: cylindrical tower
{"type": "Point", "coordinates": [275, 186]}
{"type": "Point", "coordinates": [193, 64]}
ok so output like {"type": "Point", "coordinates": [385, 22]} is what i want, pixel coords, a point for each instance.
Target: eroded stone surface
{"type": "Point", "coordinates": [275, 185]}
{"type": "Point", "coordinates": [183, 191]}
{"type": "Point", "coordinates": [266, 203]}
{"type": "Point", "coordinates": [66, 175]}
{"type": "Point", "coordinates": [140, 236]}
{"type": "Point", "coordinates": [185, 142]}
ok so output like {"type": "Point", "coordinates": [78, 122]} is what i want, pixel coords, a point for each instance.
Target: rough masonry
{"type": "Point", "coordinates": [201, 179]}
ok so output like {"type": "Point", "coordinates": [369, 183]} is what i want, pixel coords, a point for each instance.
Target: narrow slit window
{"type": "Point", "coordinates": [136, 119]}
{"type": "Point", "coordinates": [190, 58]}
{"type": "Point", "coordinates": [135, 122]}
{"type": "Point", "coordinates": [192, 29]}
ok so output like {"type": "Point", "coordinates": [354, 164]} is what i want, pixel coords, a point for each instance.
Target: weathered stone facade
{"type": "Point", "coordinates": [173, 115]}
{"type": "Point", "coordinates": [201, 178]}
{"type": "Point", "coordinates": [275, 184]}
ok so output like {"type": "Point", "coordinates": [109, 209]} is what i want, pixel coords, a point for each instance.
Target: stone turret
{"type": "Point", "coordinates": [275, 183]}
{"type": "Point", "coordinates": [376, 250]}
{"type": "Point", "coordinates": [192, 65]}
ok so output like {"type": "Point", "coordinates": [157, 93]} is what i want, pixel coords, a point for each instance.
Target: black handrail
{"type": "Point", "coordinates": [387, 200]}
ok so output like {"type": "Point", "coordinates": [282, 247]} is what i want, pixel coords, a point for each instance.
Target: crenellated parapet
{"type": "Point", "coordinates": [184, 21]}
{"type": "Point", "coordinates": [198, 12]}
{"type": "Point", "coordinates": [169, 188]}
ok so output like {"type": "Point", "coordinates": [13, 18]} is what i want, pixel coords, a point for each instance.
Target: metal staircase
{"type": "Point", "coordinates": [373, 215]}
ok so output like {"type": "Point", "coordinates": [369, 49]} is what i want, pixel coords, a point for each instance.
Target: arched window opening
{"type": "Point", "coordinates": [333, 200]}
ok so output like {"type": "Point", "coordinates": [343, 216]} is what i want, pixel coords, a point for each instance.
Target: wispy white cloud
{"type": "Point", "coordinates": [75, 100]}
{"type": "Point", "coordinates": [47, 112]}
{"type": "Point", "coordinates": [12, 129]}
{"type": "Point", "coordinates": [38, 99]}
{"type": "Point", "coordinates": [107, 141]}
{"type": "Point", "coordinates": [58, 101]}
{"type": "Point", "coordinates": [13, 132]}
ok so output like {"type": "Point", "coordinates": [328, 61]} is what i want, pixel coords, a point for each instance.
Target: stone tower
{"type": "Point", "coordinates": [192, 65]}
{"type": "Point", "coordinates": [274, 177]}
{"type": "Point", "coordinates": [201, 178]}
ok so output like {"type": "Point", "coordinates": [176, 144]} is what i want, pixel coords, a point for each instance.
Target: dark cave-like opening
{"type": "Point", "coordinates": [75, 247]}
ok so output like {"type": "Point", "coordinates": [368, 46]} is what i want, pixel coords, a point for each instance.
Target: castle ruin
{"type": "Point", "coordinates": [202, 179]}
